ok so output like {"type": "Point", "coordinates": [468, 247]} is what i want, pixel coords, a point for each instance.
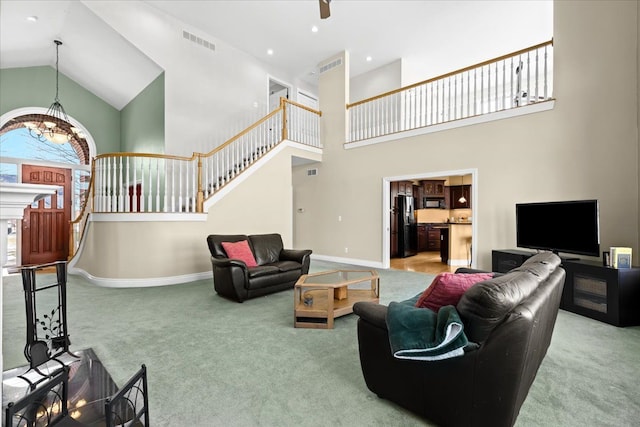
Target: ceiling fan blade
{"type": "Point", "coordinates": [324, 9]}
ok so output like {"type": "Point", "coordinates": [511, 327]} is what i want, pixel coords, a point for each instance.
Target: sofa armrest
{"type": "Point", "coordinates": [465, 270]}
{"type": "Point", "coordinates": [227, 262]}
{"type": "Point", "coordinates": [303, 256]}
{"type": "Point", "coordinates": [374, 313]}
{"type": "Point", "coordinates": [294, 254]}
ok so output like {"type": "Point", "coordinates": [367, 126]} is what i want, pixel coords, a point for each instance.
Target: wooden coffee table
{"type": "Point", "coordinates": [321, 297]}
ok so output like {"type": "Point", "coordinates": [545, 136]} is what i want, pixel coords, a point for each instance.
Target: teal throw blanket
{"type": "Point", "coordinates": [422, 334]}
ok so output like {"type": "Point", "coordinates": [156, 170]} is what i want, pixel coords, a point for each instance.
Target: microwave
{"type": "Point", "coordinates": [428, 203]}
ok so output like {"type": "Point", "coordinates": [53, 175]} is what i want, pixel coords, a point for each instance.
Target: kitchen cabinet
{"type": "Point", "coordinates": [434, 239]}
{"type": "Point", "coordinates": [403, 188]}
{"type": "Point", "coordinates": [423, 238]}
{"type": "Point", "coordinates": [457, 191]}
{"type": "Point", "coordinates": [428, 238]}
{"type": "Point", "coordinates": [433, 188]}
{"type": "Point", "coordinates": [444, 245]}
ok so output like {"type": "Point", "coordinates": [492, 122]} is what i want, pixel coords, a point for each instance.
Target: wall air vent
{"type": "Point", "coordinates": [312, 172]}
{"type": "Point", "coordinates": [333, 64]}
{"type": "Point", "coordinates": [198, 40]}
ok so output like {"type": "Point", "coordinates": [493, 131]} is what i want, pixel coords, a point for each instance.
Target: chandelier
{"type": "Point", "coordinates": [55, 126]}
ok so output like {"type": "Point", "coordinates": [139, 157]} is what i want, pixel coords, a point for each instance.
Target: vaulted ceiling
{"type": "Point", "coordinates": [431, 37]}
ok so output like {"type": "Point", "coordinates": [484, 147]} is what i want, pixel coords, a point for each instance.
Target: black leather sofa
{"type": "Point", "coordinates": [510, 318]}
{"type": "Point", "coordinates": [278, 268]}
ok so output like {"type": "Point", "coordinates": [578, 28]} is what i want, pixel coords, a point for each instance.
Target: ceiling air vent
{"type": "Point", "coordinates": [312, 172]}
{"type": "Point", "coordinates": [333, 64]}
{"type": "Point", "coordinates": [198, 40]}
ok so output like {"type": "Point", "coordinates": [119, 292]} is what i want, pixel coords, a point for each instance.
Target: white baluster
{"type": "Point", "coordinates": [180, 204]}
{"type": "Point", "coordinates": [504, 84]}
{"type": "Point", "coordinates": [127, 195]}
{"type": "Point", "coordinates": [546, 75]}
{"type": "Point", "coordinates": [150, 189]}
{"type": "Point", "coordinates": [158, 208]}
{"type": "Point", "coordinates": [109, 185]}
{"type": "Point", "coordinates": [165, 193]}
{"type": "Point", "coordinates": [120, 189]}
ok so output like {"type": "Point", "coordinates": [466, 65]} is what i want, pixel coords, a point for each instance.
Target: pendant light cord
{"type": "Point", "coordinates": [58, 43]}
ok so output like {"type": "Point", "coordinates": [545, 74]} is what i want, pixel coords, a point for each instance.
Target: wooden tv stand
{"type": "Point", "coordinates": [603, 293]}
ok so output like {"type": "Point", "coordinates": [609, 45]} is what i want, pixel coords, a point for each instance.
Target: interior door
{"type": "Point", "coordinates": [274, 97]}
{"type": "Point", "coordinates": [45, 226]}
{"type": "Point", "coordinates": [277, 90]}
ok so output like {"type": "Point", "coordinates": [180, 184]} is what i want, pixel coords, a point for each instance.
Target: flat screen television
{"type": "Point", "coordinates": [571, 227]}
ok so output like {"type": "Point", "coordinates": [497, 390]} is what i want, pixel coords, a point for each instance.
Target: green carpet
{"type": "Point", "coordinates": [214, 362]}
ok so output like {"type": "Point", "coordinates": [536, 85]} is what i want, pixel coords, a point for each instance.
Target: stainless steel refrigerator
{"type": "Point", "coordinates": [406, 226]}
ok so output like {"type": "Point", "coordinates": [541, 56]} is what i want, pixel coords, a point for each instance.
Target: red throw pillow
{"type": "Point", "coordinates": [447, 289]}
{"type": "Point", "coordinates": [240, 250]}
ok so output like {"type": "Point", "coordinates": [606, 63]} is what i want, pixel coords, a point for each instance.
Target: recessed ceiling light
{"type": "Point", "coordinates": [269, 51]}
{"type": "Point", "coordinates": [32, 18]}
{"type": "Point", "coordinates": [314, 29]}
{"type": "Point", "coordinates": [369, 59]}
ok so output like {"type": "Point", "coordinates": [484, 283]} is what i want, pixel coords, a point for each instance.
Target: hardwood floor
{"type": "Point", "coordinates": [424, 262]}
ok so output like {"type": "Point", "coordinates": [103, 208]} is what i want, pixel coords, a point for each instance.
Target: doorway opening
{"type": "Point", "coordinates": [277, 89]}
{"type": "Point", "coordinates": [438, 233]}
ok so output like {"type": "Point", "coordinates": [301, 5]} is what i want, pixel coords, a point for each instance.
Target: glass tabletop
{"type": "Point", "coordinates": [89, 385]}
{"type": "Point", "coordinates": [339, 277]}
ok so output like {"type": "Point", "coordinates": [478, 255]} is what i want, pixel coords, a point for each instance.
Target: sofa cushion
{"type": "Point", "coordinates": [485, 305]}
{"type": "Point", "coordinates": [240, 250]}
{"type": "Point", "coordinates": [287, 265]}
{"type": "Point", "coordinates": [263, 270]}
{"type": "Point", "coordinates": [447, 288]}
{"type": "Point", "coordinates": [266, 247]}
{"type": "Point", "coordinates": [215, 243]}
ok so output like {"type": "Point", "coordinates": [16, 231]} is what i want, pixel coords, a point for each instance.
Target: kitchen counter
{"type": "Point", "coordinates": [457, 241]}
{"type": "Point", "coordinates": [459, 244]}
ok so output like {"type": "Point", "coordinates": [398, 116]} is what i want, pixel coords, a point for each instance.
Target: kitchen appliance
{"type": "Point", "coordinates": [406, 226]}
{"type": "Point", "coordinates": [433, 203]}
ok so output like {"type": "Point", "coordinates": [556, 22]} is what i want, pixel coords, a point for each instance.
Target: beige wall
{"type": "Point", "coordinates": [137, 250]}
{"type": "Point", "coordinates": [586, 147]}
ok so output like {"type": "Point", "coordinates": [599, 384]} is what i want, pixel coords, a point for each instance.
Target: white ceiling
{"type": "Point", "coordinates": [432, 37]}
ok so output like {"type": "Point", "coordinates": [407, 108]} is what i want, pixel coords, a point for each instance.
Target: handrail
{"type": "Point", "coordinates": [149, 182]}
{"type": "Point", "coordinates": [509, 81]}
{"type": "Point", "coordinates": [452, 73]}
{"type": "Point", "coordinates": [243, 133]}
{"type": "Point", "coordinates": [82, 216]}
{"type": "Point", "coordinates": [304, 107]}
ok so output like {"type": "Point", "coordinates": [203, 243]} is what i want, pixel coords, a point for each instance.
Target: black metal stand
{"type": "Point", "coordinates": [47, 335]}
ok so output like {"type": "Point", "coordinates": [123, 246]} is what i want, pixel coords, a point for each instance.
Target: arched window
{"type": "Point", "coordinates": [19, 148]}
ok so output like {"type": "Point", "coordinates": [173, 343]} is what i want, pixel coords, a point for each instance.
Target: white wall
{"type": "Point", "coordinates": [206, 92]}
{"type": "Point", "coordinates": [383, 79]}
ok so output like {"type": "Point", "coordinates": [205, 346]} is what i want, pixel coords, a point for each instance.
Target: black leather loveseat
{"type": "Point", "coordinates": [277, 268]}
{"type": "Point", "coordinates": [508, 321]}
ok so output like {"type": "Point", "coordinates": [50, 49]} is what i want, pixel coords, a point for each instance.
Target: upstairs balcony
{"type": "Point", "coordinates": [491, 89]}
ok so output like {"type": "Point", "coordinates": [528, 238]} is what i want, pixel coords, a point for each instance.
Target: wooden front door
{"type": "Point", "coordinates": [45, 226]}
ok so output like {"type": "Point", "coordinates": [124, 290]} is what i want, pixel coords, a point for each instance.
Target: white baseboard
{"type": "Point", "coordinates": [458, 262]}
{"type": "Point", "coordinates": [108, 282]}
{"type": "Point", "coordinates": [354, 261]}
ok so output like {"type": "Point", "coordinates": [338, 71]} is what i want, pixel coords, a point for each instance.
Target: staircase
{"type": "Point", "coordinates": [155, 183]}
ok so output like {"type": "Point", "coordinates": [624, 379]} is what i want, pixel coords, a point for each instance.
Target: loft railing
{"type": "Point", "coordinates": [509, 81]}
{"type": "Point", "coordinates": [144, 183]}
